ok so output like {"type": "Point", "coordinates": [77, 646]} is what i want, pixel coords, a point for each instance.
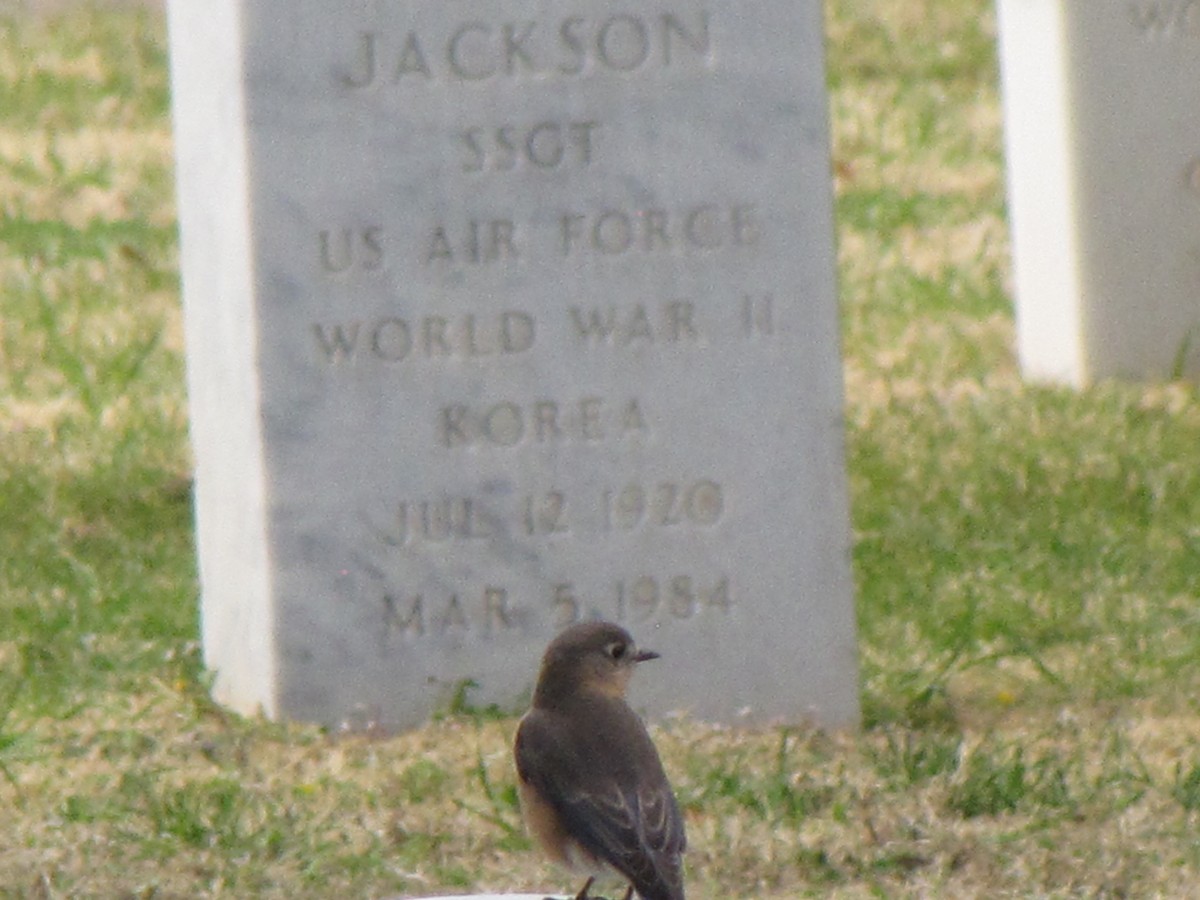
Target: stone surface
{"type": "Point", "coordinates": [501, 315]}
{"type": "Point", "coordinates": [1102, 112]}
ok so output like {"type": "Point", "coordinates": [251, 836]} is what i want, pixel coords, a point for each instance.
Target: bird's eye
{"type": "Point", "coordinates": [617, 650]}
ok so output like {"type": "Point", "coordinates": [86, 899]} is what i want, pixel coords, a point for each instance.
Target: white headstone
{"type": "Point", "coordinates": [1102, 119]}
{"type": "Point", "coordinates": [501, 315]}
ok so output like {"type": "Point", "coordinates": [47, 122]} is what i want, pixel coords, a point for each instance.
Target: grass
{"type": "Point", "coordinates": [1027, 559]}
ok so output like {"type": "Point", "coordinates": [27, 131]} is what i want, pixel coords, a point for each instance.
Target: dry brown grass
{"type": "Point", "coordinates": [770, 814]}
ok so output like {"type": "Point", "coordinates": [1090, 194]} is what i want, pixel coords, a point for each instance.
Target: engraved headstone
{"type": "Point", "coordinates": [1102, 121]}
{"type": "Point", "coordinates": [501, 315]}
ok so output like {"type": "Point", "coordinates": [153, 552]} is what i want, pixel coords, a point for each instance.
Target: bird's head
{"type": "Point", "coordinates": [592, 656]}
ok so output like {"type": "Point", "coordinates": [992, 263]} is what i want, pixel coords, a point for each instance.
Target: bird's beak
{"type": "Point", "coordinates": [643, 655]}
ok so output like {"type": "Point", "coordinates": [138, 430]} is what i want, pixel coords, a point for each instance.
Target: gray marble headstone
{"type": "Point", "coordinates": [1102, 125]}
{"type": "Point", "coordinates": [501, 315]}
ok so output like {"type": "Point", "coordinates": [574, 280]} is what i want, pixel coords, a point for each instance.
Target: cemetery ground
{"type": "Point", "coordinates": [1027, 559]}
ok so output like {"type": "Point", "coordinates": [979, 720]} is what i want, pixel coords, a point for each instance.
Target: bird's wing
{"type": "Point", "coordinates": [632, 823]}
